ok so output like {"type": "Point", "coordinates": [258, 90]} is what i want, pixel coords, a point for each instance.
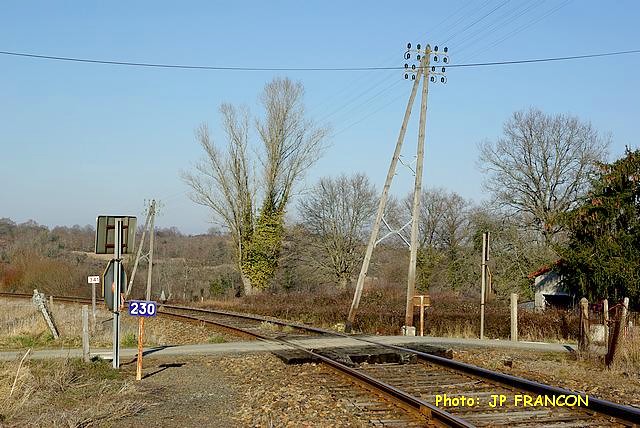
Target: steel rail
{"type": "Point", "coordinates": [69, 299]}
{"type": "Point", "coordinates": [256, 318]}
{"type": "Point", "coordinates": [407, 401]}
{"type": "Point", "coordinates": [620, 411]}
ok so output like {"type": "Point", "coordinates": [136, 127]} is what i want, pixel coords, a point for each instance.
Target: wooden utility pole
{"type": "Point", "coordinates": [151, 214]}
{"type": "Point", "coordinates": [417, 191]}
{"type": "Point", "coordinates": [152, 210]}
{"type": "Point", "coordinates": [483, 281]}
{"type": "Point", "coordinates": [421, 71]}
{"type": "Point", "coordinates": [381, 206]}
{"type": "Point", "coordinates": [488, 279]}
{"type": "Point", "coordinates": [139, 253]}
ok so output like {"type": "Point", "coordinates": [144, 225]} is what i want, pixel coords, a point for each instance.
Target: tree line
{"type": "Point", "coordinates": [552, 200]}
{"type": "Point", "coordinates": [546, 178]}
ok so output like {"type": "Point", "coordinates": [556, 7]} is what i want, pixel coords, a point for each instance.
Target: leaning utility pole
{"type": "Point", "coordinates": [427, 73]}
{"type": "Point", "coordinates": [152, 210]}
{"type": "Point", "coordinates": [151, 214]}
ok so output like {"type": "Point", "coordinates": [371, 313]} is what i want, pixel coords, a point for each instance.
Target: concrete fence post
{"type": "Point", "coordinates": [85, 333]}
{"type": "Point", "coordinates": [514, 317]}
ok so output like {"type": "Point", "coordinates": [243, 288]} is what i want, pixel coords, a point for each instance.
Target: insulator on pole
{"type": "Point", "coordinates": [442, 79]}
{"type": "Point", "coordinates": [435, 58]}
{"type": "Point", "coordinates": [418, 57]}
{"type": "Point", "coordinates": [433, 68]}
{"type": "Point", "coordinates": [406, 76]}
{"type": "Point", "coordinates": [408, 45]}
{"type": "Point", "coordinates": [443, 69]}
{"type": "Point", "coordinates": [445, 59]}
{"type": "Point", "coordinates": [418, 46]}
{"type": "Point", "coordinates": [436, 48]}
{"type": "Point", "coordinates": [446, 49]}
{"type": "Point", "coordinates": [413, 77]}
{"type": "Point", "coordinates": [406, 65]}
{"type": "Point", "coordinates": [433, 79]}
{"type": "Point", "coordinates": [413, 66]}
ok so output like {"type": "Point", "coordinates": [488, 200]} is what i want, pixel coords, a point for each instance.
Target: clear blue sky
{"type": "Point", "coordinates": [78, 140]}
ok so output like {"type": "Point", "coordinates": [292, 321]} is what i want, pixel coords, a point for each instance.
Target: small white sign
{"type": "Point", "coordinates": [93, 279]}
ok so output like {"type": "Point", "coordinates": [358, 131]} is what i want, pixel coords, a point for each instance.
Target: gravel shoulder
{"type": "Point", "coordinates": [239, 391]}
{"type": "Point", "coordinates": [558, 369]}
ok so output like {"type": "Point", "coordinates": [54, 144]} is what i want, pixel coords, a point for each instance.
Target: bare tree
{"type": "Point", "coordinates": [444, 218]}
{"type": "Point", "coordinates": [292, 143]}
{"type": "Point", "coordinates": [444, 237]}
{"type": "Point", "coordinates": [224, 180]}
{"type": "Point", "coordinates": [541, 166]}
{"type": "Point", "coordinates": [338, 212]}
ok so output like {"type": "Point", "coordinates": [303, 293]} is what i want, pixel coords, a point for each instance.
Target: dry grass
{"type": "Point", "coordinates": [628, 356]}
{"type": "Point", "coordinates": [382, 312]}
{"type": "Point", "coordinates": [64, 393]}
{"type": "Point", "coordinates": [22, 327]}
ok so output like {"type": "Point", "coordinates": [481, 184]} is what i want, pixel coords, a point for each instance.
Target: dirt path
{"type": "Point", "coordinates": [185, 392]}
{"type": "Point", "coordinates": [238, 391]}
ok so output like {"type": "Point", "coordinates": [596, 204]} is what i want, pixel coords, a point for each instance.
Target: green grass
{"type": "Point", "coordinates": [129, 340]}
{"type": "Point", "coordinates": [216, 339]}
{"type": "Point", "coordinates": [30, 341]}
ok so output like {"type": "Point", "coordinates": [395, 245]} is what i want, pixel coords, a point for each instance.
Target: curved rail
{"type": "Point", "coordinates": [619, 411]}
{"type": "Point", "coordinates": [407, 401]}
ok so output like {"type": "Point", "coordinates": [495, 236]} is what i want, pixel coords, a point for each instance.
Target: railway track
{"type": "Point", "coordinates": [66, 299]}
{"type": "Point", "coordinates": [436, 391]}
{"type": "Point", "coordinates": [448, 392]}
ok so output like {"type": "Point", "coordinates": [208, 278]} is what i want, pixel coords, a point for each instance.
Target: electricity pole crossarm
{"type": "Point", "coordinates": [383, 202]}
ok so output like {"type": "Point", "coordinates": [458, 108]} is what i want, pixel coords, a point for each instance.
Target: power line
{"type": "Point", "coordinates": [371, 68]}
{"type": "Point", "coordinates": [561, 58]}
{"type": "Point", "coordinates": [522, 28]}
{"type": "Point", "coordinates": [477, 20]}
{"type": "Point", "coordinates": [349, 87]}
{"type": "Point", "coordinates": [431, 31]}
{"type": "Point", "coordinates": [502, 22]}
{"type": "Point", "coordinates": [191, 67]}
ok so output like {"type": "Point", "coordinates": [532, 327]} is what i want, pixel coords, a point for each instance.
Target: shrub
{"type": "Point", "coordinates": [382, 310]}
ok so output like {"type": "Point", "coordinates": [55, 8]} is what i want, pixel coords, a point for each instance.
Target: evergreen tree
{"type": "Point", "coordinates": [602, 258]}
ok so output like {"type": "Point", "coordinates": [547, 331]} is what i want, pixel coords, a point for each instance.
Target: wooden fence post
{"type": "Point", "coordinates": [618, 330]}
{"type": "Point", "coordinates": [605, 321]}
{"type": "Point", "coordinates": [583, 339]}
{"type": "Point", "coordinates": [514, 317]}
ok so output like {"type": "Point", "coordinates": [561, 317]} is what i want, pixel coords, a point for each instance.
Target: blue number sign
{"type": "Point", "coordinates": [142, 308]}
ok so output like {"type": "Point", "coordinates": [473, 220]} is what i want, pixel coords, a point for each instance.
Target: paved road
{"type": "Point", "coordinates": [259, 346]}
